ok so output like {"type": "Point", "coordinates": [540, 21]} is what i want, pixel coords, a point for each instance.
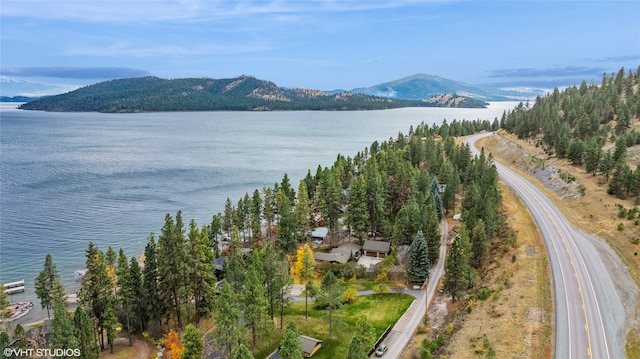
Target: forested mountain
{"type": "Point", "coordinates": [424, 86]}
{"type": "Point", "coordinates": [244, 93]}
{"type": "Point", "coordinates": [591, 125]}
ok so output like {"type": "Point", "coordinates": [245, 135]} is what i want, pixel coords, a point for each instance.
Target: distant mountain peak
{"type": "Point", "coordinates": [423, 86]}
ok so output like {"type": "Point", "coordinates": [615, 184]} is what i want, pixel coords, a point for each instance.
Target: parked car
{"type": "Point", "coordinates": [381, 349]}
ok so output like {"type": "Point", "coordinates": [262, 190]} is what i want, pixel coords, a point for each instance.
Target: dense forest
{"type": "Point", "coordinates": [389, 191]}
{"type": "Point", "coordinates": [590, 125]}
{"type": "Point", "coordinates": [244, 93]}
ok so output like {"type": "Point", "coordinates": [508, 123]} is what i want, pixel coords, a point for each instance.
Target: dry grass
{"type": "Point", "coordinates": [515, 318]}
{"type": "Point", "coordinates": [596, 212]}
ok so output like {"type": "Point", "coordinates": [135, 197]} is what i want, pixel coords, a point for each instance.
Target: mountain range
{"type": "Point", "coordinates": [244, 93]}
{"type": "Point", "coordinates": [414, 87]}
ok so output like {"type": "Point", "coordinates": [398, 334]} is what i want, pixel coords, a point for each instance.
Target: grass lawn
{"type": "Point", "coordinates": [382, 310]}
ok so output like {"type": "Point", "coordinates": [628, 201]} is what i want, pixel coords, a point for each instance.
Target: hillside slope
{"type": "Point", "coordinates": [244, 93]}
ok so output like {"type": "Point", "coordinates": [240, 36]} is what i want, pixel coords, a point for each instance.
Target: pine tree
{"type": "Point", "coordinates": [201, 278]}
{"type": "Point", "coordinates": [43, 284]}
{"type": "Point", "coordinates": [366, 332]}
{"type": "Point", "coordinates": [134, 292]}
{"type": "Point", "coordinates": [242, 353]}
{"type": "Point", "coordinates": [479, 245]}
{"type": "Point", "coordinates": [303, 212]}
{"type": "Point", "coordinates": [291, 346]}
{"type": "Point", "coordinates": [457, 268]}
{"type": "Point", "coordinates": [357, 349]}
{"type": "Point", "coordinates": [110, 324]}
{"type": "Point", "coordinates": [192, 343]}
{"type": "Point", "coordinates": [62, 330]}
{"type": "Point", "coordinates": [357, 213]}
{"type": "Point", "coordinates": [419, 259]}
{"type": "Point", "coordinates": [256, 216]}
{"type": "Point", "coordinates": [83, 331]}
{"type": "Point", "coordinates": [20, 341]}
{"type": "Point", "coordinates": [228, 330]}
{"type": "Point", "coordinates": [154, 308]}
{"type": "Point", "coordinates": [331, 293]}
{"type": "Point", "coordinates": [96, 290]}
{"type": "Point", "coordinates": [172, 265]}
{"type": "Point", "coordinates": [255, 311]}
{"type": "Point", "coordinates": [122, 275]}
{"type": "Point", "coordinates": [287, 224]}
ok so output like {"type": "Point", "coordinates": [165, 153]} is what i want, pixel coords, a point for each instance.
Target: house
{"type": "Point", "coordinates": [340, 254]}
{"type": "Point", "coordinates": [320, 234]}
{"type": "Point", "coordinates": [378, 249]}
{"type": "Point", "coordinates": [309, 345]}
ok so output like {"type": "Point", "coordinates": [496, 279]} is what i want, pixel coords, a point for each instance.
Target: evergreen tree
{"type": "Point", "coordinates": [593, 153]}
{"type": "Point", "coordinates": [20, 341]}
{"type": "Point", "coordinates": [330, 296]}
{"type": "Point", "coordinates": [457, 268]}
{"type": "Point", "coordinates": [256, 216]}
{"type": "Point", "coordinates": [43, 284]}
{"type": "Point", "coordinates": [479, 245]}
{"type": "Point", "coordinates": [96, 290]}
{"type": "Point", "coordinates": [357, 349]}
{"type": "Point", "coordinates": [357, 214]}
{"type": "Point", "coordinates": [366, 332]}
{"type": "Point", "coordinates": [228, 329]}
{"type": "Point", "coordinates": [125, 300]}
{"type": "Point", "coordinates": [375, 195]}
{"type": "Point", "coordinates": [83, 332]}
{"type": "Point", "coordinates": [134, 292]}
{"type": "Point", "coordinates": [154, 308]}
{"type": "Point", "coordinates": [419, 259]}
{"type": "Point", "coordinates": [172, 265]}
{"type": "Point", "coordinates": [432, 230]}
{"type": "Point", "coordinates": [201, 278]}
{"type": "Point", "coordinates": [62, 330]}
{"type": "Point", "coordinates": [192, 343]}
{"type": "Point", "coordinates": [242, 353]}
{"type": "Point", "coordinates": [291, 346]}
{"type": "Point", "coordinates": [287, 226]}
{"type": "Point", "coordinates": [4, 342]}
{"type": "Point", "coordinates": [268, 209]}
{"type": "Point", "coordinates": [110, 324]}
{"type": "Point", "coordinates": [255, 310]}
{"type": "Point", "coordinates": [303, 212]}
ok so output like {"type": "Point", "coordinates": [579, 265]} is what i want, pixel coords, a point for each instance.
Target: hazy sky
{"type": "Point", "coordinates": [319, 44]}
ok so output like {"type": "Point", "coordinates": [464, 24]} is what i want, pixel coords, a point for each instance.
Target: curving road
{"type": "Point", "coordinates": [588, 311]}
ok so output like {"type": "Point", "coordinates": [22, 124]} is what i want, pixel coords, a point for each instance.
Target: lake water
{"type": "Point", "coordinates": [70, 178]}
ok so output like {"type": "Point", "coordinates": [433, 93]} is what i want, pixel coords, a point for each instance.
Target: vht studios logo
{"type": "Point", "coordinates": [54, 353]}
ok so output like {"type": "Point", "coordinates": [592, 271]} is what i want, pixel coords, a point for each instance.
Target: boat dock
{"type": "Point", "coordinates": [14, 287]}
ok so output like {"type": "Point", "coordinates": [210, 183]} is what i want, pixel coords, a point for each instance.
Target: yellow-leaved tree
{"type": "Point", "coordinates": [304, 271]}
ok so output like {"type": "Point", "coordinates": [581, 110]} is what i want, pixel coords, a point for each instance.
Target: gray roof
{"type": "Point", "coordinates": [308, 343]}
{"type": "Point", "coordinates": [320, 232]}
{"type": "Point", "coordinates": [376, 246]}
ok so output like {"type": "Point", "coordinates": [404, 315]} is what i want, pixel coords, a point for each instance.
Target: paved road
{"type": "Point", "coordinates": [587, 309]}
{"type": "Point", "coordinates": [406, 326]}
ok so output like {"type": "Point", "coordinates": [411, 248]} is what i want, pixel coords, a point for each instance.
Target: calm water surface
{"type": "Point", "coordinates": [70, 178]}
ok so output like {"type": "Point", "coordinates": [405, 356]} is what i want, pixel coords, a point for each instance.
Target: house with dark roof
{"type": "Point", "coordinates": [378, 249]}
{"type": "Point", "coordinates": [340, 254]}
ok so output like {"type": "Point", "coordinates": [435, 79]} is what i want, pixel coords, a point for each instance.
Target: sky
{"type": "Point", "coordinates": [322, 45]}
